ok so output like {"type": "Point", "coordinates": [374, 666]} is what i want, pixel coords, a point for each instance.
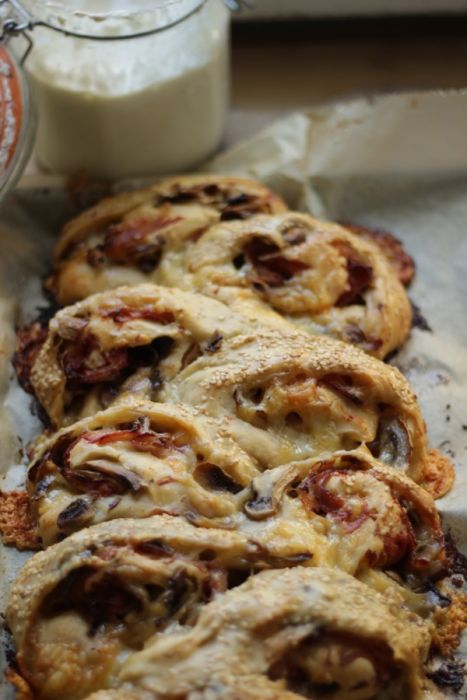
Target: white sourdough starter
{"type": "Point", "coordinates": [137, 106]}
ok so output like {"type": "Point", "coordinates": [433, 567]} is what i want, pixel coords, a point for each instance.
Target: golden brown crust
{"type": "Point", "coordinates": [450, 622]}
{"type": "Point", "coordinates": [313, 394]}
{"type": "Point", "coordinates": [121, 239]}
{"type": "Point", "coordinates": [263, 627]}
{"type": "Point", "coordinates": [22, 689]}
{"type": "Point", "coordinates": [140, 458]}
{"type": "Point", "coordinates": [17, 526]}
{"type": "Point", "coordinates": [440, 474]}
{"type": "Point", "coordinates": [316, 274]}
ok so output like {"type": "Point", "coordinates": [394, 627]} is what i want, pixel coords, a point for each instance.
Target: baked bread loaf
{"type": "Point", "coordinates": [122, 239]}
{"type": "Point", "coordinates": [316, 274]}
{"type": "Point", "coordinates": [236, 504]}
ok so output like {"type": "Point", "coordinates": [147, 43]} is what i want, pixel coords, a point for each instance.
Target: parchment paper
{"type": "Point", "coordinates": [394, 162]}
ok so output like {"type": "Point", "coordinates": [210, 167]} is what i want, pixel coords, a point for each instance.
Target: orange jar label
{"type": "Point", "coordinates": [11, 108]}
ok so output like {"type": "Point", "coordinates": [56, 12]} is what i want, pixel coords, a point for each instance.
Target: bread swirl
{"type": "Point", "coordinates": [315, 274]}
{"type": "Point", "coordinates": [122, 239]}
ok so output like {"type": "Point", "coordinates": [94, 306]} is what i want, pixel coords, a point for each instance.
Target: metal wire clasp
{"type": "Point", "coordinates": [19, 24]}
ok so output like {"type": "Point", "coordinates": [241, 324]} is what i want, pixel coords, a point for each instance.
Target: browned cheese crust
{"type": "Point", "coordinates": [315, 274]}
{"type": "Point", "coordinates": [21, 688]}
{"type": "Point", "coordinates": [122, 239]}
{"type": "Point", "coordinates": [17, 525]}
{"type": "Point", "coordinates": [440, 474]}
{"type": "Point", "coordinates": [450, 623]}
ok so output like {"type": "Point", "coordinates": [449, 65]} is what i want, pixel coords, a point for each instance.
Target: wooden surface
{"type": "Point", "coordinates": [280, 67]}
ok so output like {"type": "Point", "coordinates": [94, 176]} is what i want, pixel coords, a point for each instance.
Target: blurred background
{"type": "Point", "coordinates": [286, 55]}
{"type": "Point", "coordinates": [289, 55]}
{"type": "Point", "coordinates": [314, 8]}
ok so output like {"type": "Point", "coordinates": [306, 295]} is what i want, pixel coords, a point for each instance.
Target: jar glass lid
{"type": "Point", "coordinates": [102, 19]}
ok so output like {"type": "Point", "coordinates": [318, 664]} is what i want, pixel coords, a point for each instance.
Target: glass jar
{"type": "Point", "coordinates": [17, 121]}
{"type": "Point", "coordinates": [139, 91]}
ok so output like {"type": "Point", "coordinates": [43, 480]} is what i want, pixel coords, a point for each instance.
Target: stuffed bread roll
{"type": "Point", "coordinates": [370, 516]}
{"type": "Point", "coordinates": [81, 607]}
{"type": "Point", "coordinates": [291, 398]}
{"type": "Point", "coordinates": [126, 340]}
{"type": "Point", "coordinates": [123, 239]}
{"type": "Point", "coordinates": [316, 274]}
{"type": "Point", "coordinates": [284, 396]}
{"type": "Point", "coordinates": [320, 632]}
{"type": "Point", "coordinates": [137, 459]}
